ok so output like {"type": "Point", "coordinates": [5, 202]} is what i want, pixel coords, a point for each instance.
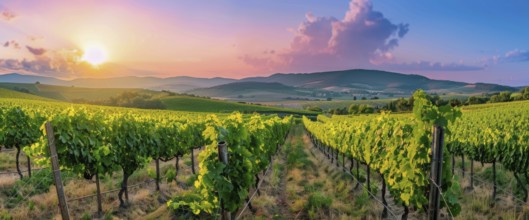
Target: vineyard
{"type": "Point", "coordinates": [388, 158]}
{"type": "Point", "coordinates": [94, 141]}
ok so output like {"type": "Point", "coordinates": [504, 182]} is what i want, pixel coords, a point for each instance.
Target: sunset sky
{"type": "Point", "coordinates": [472, 41]}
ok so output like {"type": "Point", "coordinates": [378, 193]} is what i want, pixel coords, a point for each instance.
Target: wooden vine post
{"type": "Point", "coordinates": [193, 160]}
{"type": "Point", "coordinates": [436, 173]}
{"type": "Point", "coordinates": [57, 172]}
{"type": "Point", "coordinates": [223, 157]}
{"type": "Point", "coordinates": [99, 203]}
{"type": "Point", "coordinates": [29, 166]}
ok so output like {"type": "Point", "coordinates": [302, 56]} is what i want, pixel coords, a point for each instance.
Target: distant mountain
{"type": "Point", "coordinates": [346, 83]}
{"type": "Point", "coordinates": [262, 91]}
{"type": "Point", "coordinates": [178, 83]}
{"type": "Point", "coordinates": [20, 78]}
{"type": "Point", "coordinates": [375, 81]}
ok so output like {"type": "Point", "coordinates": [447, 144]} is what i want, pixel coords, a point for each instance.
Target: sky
{"type": "Point", "coordinates": [470, 41]}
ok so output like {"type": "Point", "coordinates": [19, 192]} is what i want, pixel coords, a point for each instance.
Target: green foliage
{"type": "Point", "coordinates": [80, 142]}
{"type": "Point", "coordinates": [131, 99]}
{"type": "Point", "coordinates": [196, 104]}
{"type": "Point", "coordinates": [186, 205]}
{"type": "Point", "coordinates": [362, 200]}
{"type": "Point", "coordinates": [395, 146]}
{"type": "Point", "coordinates": [501, 97]}
{"type": "Point", "coordinates": [318, 201]}
{"type": "Point", "coordinates": [19, 128]}
{"type": "Point", "coordinates": [38, 183]}
{"type": "Point", "coordinates": [131, 142]}
{"type": "Point", "coordinates": [4, 215]}
{"type": "Point", "coordinates": [247, 155]}
{"type": "Point", "coordinates": [314, 109]}
{"type": "Point", "coordinates": [170, 175]}
{"type": "Point", "coordinates": [86, 216]}
{"type": "Point", "coordinates": [361, 109]}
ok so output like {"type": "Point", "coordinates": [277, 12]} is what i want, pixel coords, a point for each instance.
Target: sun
{"type": "Point", "coordinates": [94, 54]}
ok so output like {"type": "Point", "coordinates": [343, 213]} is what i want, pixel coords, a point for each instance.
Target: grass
{"type": "Point", "coordinates": [327, 104]}
{"type": "Point", "coordinates": [195, 104]}
{"type": "Point", "coordinates": [64, 93]}
{"type": "Point", "coordinates": [305, 186]}
{"type": "Point", "coordinates": [7, 93]}
{"type": "Point", "coordinates": [177, 103]}
{"type": "Point", "coordinates": [40, 198]}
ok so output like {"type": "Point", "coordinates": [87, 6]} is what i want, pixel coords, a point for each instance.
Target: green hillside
{"type": "Point", "coordinates": [174, 102]}
{"type": "Point", "coordinates": [253, 91]}
{"type": "Point", "coordinates": [68, 94]}
{"type": "Point", "coordinates": [7, 93]}
{"type": "Point", "coordinates": [194, 104]}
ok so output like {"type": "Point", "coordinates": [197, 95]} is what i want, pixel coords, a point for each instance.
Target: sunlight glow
{"type": "Point", "coordinates": [94, 54]}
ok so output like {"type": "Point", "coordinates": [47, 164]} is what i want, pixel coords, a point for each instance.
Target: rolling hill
{"type": "Point", "coordinates": [68, 94]}
{"type": "Point", "coordinates": [177, 84]}
{"type": "Point", "coordinates": [7, 93]}
{"type": "Point", "coordinates": [195, 104]}
{"type": "Point", "coordinates": [262, 91]}
{"type": "Point", "coordinates": [172, 102]}
{"type": "Point", "coordinates": [343, 84]}
{"type": "Point", "coordinates": [375, 81]}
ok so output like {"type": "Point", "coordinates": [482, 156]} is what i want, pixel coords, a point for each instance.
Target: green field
{"type": "Point", "coordinates": [6, 93]}
{"type": "Point", "coordinates": [194, 104]}
{"type": "Point", "coordinates": [69, 94]}
{"type": "Point", "coordinates": [325, 105]}
{"type": "Point", "coordinates": [176, 102]}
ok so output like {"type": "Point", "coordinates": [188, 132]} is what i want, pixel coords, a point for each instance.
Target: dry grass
{"type": "Point", "coordinates": [7, 181]}
{"type": "Point", "coordinates": [144, 200]}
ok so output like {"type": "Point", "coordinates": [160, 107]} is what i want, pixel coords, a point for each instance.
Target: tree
{"type": "Point", "coordinates": [502, 97]}
{"type": "Point", "coordinates": [525, 93]}
{"type": "Point", "coordinates": [314, 109]}
{"type": "Point", "coordinates": [472, 100]}
{"type": "Point", "coordinates": [353, 109]}
{"type": "Point", "coordinates": [455, 102]}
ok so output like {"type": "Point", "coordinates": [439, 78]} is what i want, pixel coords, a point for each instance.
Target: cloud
{"type": "Point", "coordinates": [12, 44]}
{"type": "Point", "coordinates": [432, 66]}
{"type": "Point", "coordinates": [57, 63]}
{"type": "Point", "coordinates": [323, 43]}
{"type": "Point", "coordinates": [6, 14]}
{"type": "Point", "coordinates": [516, 56]}
{"type": "Point", "coordinates": [37, 66]}
{"type": "Point", "coordinates": [35, 37]}
{"type": "Point", "coordinates": [36, 51]}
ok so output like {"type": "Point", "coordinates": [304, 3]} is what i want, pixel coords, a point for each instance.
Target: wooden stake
{"type": "Point", "coordinates": [223, 157]}
{"type": "Point", "coordinates": [99, 205]}
{"type": "Point", "coordinates": [436, 173]}
{"type": "Point", "coordinates": [57, 173]}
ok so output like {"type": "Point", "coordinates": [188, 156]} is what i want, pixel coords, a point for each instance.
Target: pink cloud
{"type": "Point", "coordinates": [36, 51]}
{"type": "Point", "coordinates": [363, 37]}
{"type": "Point", "coordinates": [12, 44]}
{"type": "Point", "coordinates": [7, 15]}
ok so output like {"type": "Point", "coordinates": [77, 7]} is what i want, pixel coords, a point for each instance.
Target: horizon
{"type": "Point", "coordinates": [452, 40]}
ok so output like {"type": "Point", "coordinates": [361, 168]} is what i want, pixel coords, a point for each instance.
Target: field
{"type": "Point", "coordinates": [176, 102]}
{"type": "Point", "coordinates": [325, 105]}
{"type": "Point", "coordinates": [341, 167]}
{"type": "Point", "coordinates": [193, 104]}
{"type": "Point", "coordinates": [68, 94]}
